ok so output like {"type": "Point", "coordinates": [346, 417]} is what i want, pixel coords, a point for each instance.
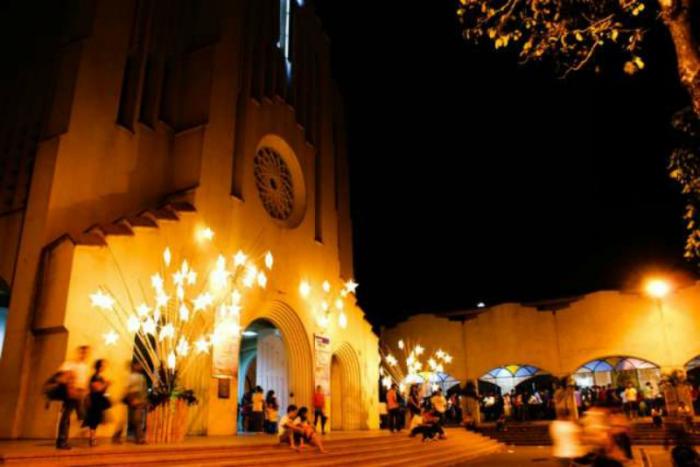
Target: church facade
{"type": "Point", "coordinates": [135, 124]}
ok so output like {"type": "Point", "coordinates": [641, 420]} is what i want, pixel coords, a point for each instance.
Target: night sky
{"type": "Point", "coordinates": [475, 178]}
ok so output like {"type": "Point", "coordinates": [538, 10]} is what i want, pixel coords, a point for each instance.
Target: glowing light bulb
{"type": "Point", "coordinates": [205, 234]}
{"type": "Point", "coordinates": [201, 345]}
{"type": "Point", "coordinates": [304, 289]}
{"type": "Point", "coordinates": [172, 360]}
{"type": "Point", "coordinates": [167, 256]}
{"type": "Point", "coordinates": [133, 324]}
{"type": "Point", "coordinates": [111, 337]}
{"type": "Point", "coordinates": [149, 327]}
{"type": "Point", "coordinates": [240, 258]}
{"type": "Point", "coordinates": [101, 300]}
{"type": "Point", "coordinates": [657, 288]}
{"type": "Point", "coordinates": [342, 320]}
{"type": "Point", "coordinates": [262, 279]}
{"type": "Point", "coordinates": [157, 282]}
{"type": "Point", "coordinates": [167, 331]}
{"type": "Point", "coordinates": [351, 286]}
{"type": "Point", "coordinates": [326, 286]}
{"type": "Point", "coordinates": [269, 260]}
{"type": "Point", "coordinates": [401, 344]}
{"type": "Point", "coordinates": [184, 312]}
{"type": "Point", "coordinates": [142, 310]}
{"type": "Point", "coordinates": [183, 347]}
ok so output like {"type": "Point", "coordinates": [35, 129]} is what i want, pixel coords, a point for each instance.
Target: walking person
{"type": "Point", "coordinates": [271, 412]}
{"type": "Point", "coordinates": [319, 402]}
{"type": "Point", "coordinates": [393, 408]}
{"type": "Point", "coordinates": [439, 404]}
{"type": "Point", "coordinates": [471, 415]}
{"type": "Point", "coordinates": [98, 402]}
{"type": "Point", "coordinates": [136, 400]}
{"type": "Point", "coordinates": [566, 438]}
{"type": "Point", "coordinates": [258, 410]}
{"type": "Point", "coordinates": [75, 376]}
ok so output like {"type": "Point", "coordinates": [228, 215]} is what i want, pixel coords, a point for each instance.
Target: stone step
{"type": "Point", "coordinates": [361, 450]}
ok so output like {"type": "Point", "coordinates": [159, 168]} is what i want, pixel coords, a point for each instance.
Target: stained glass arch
{"type": "Point", "coordinates": [511, 371]}
{"type": "Point", "coordinates": [616, 364]}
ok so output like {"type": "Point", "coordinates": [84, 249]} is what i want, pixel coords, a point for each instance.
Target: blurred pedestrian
{"type": "Point", "coordinates": [135, 400]}
{"type": "Point", "coordinates": [74, 377]}
{"type": "Point", "coordinates": [98, 402]}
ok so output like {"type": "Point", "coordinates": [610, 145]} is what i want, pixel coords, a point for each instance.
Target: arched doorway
{"type": "Point", "coordinates": [263, 362]}
{"type": "Point", "coordinates": [278, 319]}
{"type": "Point", "coordinates": [617, 371]}
{"type": "Point", "coordinates": [347, 411]}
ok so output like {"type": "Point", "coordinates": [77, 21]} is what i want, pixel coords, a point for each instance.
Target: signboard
{"type": "Point", "coordinates": [322, 363]}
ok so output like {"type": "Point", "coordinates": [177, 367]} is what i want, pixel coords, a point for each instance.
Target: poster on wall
{"type": "Point", "coordinates": [322, 363]}
{"type": "Point", "coordinates": [226, 340]}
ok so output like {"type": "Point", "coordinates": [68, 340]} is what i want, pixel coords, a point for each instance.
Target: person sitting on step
{"type": "Point", "coordinates": [429, 427]}
{"type": "Point", "coordinates": [308, 433]}
{"type": "Point", "coordinates": [288, 429]}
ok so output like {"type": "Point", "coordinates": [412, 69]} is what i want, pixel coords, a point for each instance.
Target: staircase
{"type": "Point", "coordinates": [526, 434]}
{"type": "Point", "coordinates": [368, 449]}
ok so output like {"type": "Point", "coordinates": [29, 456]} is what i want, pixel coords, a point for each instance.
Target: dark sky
{"type": "Point", "coordinates": [477, 178]}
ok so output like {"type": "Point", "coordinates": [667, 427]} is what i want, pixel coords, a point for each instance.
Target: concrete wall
{"type": "Point", "coordinates": [204, 100]}
{"type": "Point", "coordinates": [596, 325]}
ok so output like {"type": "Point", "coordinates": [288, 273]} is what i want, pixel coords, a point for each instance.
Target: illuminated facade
{"type": "Point", "coordinates": [594, 337]}
{"type": "Point", "coordinates": [135, 124]}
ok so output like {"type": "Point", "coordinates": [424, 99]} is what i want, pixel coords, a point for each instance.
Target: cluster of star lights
{"type": "Point", "coordinates": [185, 315]}
{"type": "Point", "coordinates": [330, 298]}
{"type": "Point", "coordinates": [409, 368]}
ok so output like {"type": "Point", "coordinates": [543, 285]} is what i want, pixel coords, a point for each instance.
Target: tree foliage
{"type": "Point", "coordinates": [569, 31]}
{"type": "Point", "coordinates": [572, 32]}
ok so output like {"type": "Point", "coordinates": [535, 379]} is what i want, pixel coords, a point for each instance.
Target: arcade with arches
{"type": "Point", "coordinates": [617, 371]}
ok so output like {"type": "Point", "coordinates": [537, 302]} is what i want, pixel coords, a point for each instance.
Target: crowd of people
{"type": "Point", "coordinates": [83, 390]}
{"type": "Point", "coordinates": [260, 414]}
{"type": "Point", "coordinates": [424, 416]}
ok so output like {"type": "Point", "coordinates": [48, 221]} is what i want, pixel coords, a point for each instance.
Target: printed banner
{"type": "Point", "coordinates": [226, 342]}
{"type": "Point", "coordinates": [322, 363]}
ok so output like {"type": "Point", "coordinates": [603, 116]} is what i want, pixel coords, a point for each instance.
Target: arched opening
{"type": "Point", "coordinates": [336, 394]}
{"type": "Point", "coordinates": [347, 411]}
{"type": "Point", "coordinates": [277, 357]}
{"type": "Point", "coordinates": [263, 363]}
{"type": "Point", "coordinates": [522, 392]}
{"type": "Point", "coordinates": [617, 372]}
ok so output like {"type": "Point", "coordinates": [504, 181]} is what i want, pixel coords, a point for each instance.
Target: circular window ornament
{"type": "Point", "coordinates": [279, 181]}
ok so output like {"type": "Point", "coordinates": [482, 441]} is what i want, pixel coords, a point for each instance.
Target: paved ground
{"type": "Point", "coordinates": [540, 456]}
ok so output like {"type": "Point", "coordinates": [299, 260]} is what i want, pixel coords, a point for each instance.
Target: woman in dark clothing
{"type": "Point", "coordinates": [414, 402]}
{"type": "Point", "coordinates": [97, 401]}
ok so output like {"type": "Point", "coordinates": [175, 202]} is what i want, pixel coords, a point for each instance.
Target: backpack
{"type": "Point", "coordinates": [55, 389]}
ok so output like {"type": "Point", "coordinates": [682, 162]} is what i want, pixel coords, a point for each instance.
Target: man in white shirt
{"type": "Point", "coordinates": [439, 404]}
{"type": "Point", "coordinates": [288, 428]}
{"type": "Point", "coordinates": [76, 375]}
